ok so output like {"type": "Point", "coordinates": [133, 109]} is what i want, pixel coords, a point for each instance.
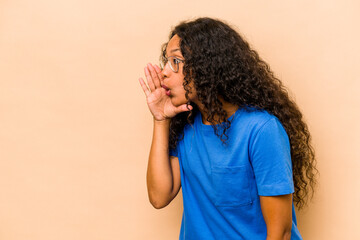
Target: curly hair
{"type": "Point", "coordinates": [221, 64]}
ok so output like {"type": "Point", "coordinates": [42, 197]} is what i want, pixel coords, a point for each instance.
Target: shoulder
{"type": "Point", "coordinates": [257, 123]}
{"type": "Point", "coordinates": [254, 119]}
{"type": "Point", "coordinates": [265, 129]}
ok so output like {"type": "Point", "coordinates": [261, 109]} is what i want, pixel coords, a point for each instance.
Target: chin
{"type": "Point", "coordinates": [178, 102]}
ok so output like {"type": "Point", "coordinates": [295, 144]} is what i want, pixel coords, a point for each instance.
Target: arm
{"type": "Point", "coordinates": [277, 212]}
{"type": "Point", "coordinates": [271, 161]}
{"type": "Point", "coordinates": [163, 174]}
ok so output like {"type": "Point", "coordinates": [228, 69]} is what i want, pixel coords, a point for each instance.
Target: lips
{"type": "Point", "coordinates": [167, 89]}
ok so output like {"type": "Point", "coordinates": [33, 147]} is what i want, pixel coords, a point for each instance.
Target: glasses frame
{"type": "Point", "coordinates": [175, 69]}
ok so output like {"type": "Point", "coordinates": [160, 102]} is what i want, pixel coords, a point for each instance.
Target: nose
{"type": "Point", "coordinates": [166, 71]}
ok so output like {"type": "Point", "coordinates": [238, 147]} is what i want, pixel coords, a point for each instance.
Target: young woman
{"type": "Point", "coordinates": [226, 131]}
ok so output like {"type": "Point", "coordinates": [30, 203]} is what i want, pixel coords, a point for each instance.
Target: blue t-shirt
{"type": "Point", "coordinates": [221, 184]}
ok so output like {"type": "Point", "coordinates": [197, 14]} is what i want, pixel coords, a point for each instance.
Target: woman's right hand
{"type": "Point", "coordinates": [159, 103]}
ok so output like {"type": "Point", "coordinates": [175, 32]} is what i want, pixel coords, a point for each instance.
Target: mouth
{"type": "Point", "coordinates": [167, 90]}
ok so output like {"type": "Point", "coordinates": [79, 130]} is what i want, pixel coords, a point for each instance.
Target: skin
{"type": "Point", "coordinates": [174, 81]}
{"type": "Point", "coordinates": [163, 173]}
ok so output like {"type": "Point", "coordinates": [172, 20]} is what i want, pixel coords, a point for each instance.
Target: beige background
{"type": "Point", "coordinates": [75, 130]}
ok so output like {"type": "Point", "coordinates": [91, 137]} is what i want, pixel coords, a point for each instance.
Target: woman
{"type": "Point", "coordinates": [226, 131]}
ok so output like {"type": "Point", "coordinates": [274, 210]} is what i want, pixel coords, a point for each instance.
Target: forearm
{"type": "Point", "coordinates": [159, 172]}
{"type": "Point", "coordinates": [284, 235]}
{"type": "Point", "coordinates": [277, 213]}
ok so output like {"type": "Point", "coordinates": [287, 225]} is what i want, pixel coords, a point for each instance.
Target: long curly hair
{"type": "Point", "coordinates": [221, 64]}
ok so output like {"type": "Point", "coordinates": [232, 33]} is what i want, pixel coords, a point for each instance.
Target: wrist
{"type": "Point", "coordinates": [166, 121]}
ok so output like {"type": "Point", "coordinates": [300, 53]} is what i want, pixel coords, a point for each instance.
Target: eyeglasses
{"type": "Point", "coordinates": [173, 62]}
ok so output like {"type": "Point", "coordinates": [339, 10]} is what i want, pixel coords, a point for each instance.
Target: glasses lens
{"type": "Point", "coordinates": [174, 64]}
{"type": "Point", "coordinates": [163, 61]}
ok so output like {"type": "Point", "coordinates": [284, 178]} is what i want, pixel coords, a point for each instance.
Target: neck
{"type": "Point", "coordinates": [229, 108]}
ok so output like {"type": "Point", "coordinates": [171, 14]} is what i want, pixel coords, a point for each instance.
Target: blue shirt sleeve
{"type": "Point", "coordinates": [271, 160]}
{"type": "Point", "coordinates": [173, 152]}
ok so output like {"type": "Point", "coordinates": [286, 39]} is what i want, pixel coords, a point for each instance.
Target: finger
{"type": "Point", "coordinates": [144, 87]}
{"type": "Point", "coordinates": [157, 68]}
{"type": "Point", "coordinates": [149, 79]}
{"type": "Point", "coordinates": [158, 71]}
{"type": "Point", "coordinates": [154, 76]}
{"type": "Point", "coordinates": [183, 108]}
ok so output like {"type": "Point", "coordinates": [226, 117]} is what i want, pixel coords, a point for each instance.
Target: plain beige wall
{"type": "Point", "coordinates": [75, 130]}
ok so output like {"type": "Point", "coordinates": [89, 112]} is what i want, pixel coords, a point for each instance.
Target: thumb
{"type": "Point", "coordinates": [183, 108]}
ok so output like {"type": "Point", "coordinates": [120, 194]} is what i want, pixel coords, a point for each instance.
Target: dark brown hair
{"type": "Point", "coordinates": [221, 63]}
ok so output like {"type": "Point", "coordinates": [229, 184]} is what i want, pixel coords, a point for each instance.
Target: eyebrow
{"type": "Point", "coordinates": [174, 50]}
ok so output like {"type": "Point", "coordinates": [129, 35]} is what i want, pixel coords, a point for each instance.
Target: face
{"type": "Point", "coordinates": [174, 81]}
